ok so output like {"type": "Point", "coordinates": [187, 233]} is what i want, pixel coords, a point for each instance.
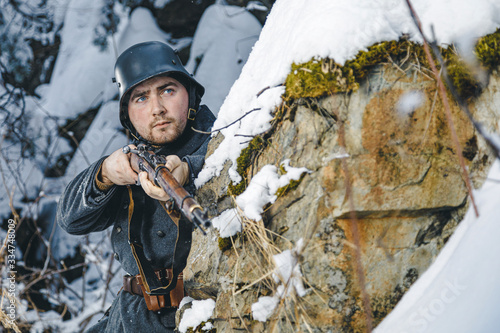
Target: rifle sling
{"type": "Point", "coordinates": [152, 284]}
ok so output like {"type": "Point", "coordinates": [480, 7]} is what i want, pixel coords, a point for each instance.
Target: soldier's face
{"type": "Point", "coordinates": [158, 109]}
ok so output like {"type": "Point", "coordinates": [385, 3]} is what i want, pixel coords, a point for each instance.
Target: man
{"type": "Point", "coordinates": [159, 105]}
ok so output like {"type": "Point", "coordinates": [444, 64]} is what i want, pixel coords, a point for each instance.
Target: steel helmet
{"type": "Point", "coordinates": [143, 61]}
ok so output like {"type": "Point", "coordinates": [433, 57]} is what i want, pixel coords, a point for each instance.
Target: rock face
{"type": "Point", "coordinates": [407, 192]}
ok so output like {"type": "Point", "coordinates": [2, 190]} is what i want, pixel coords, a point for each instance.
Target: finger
{"type": "Point", "coordinates": [132, 175]}
{"type": "Point", "coordinates": [131, 146]}
{"type": "Point", "coordinates": [146, 184]}
{"type": "Point", "coordinates": [116, 169]}
{"type": "Point", "coordinates": [153, 191]}
{"type": "Point", "coordinates": [172, 162]}
{"type": "Point", "coordinates": [144, 181]}
{"type": "Point", "coordinates": [181, 173]}
{"type": "Point", "coordinates": [128, 174]}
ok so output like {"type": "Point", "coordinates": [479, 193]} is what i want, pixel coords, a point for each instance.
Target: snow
{"type": "Point", "coordinates": [287, 274]}
{"type": "Point", "coordinates": [263, 186]}
{"type": "Point", "coordinates": [185, 300]}
{"type": "Point", "coordinates": [261, 191]}
{"type": "Point", "coordinates": [82, 73]}
{"type": "Point", "coordinates": [409, 102]}
{"type": "Point", "coordinates": [141, 27]}
{"type": "Point", "coordinates": [221, 44]}
{"type": "Point", "coordinates": [297, 31]}
{"type": "Point", "coordinates": [199, 312]}
{"type": "Point", "coordinates": [288, 270]}
{"type": "Point", "coordinates": [228, 223]}
{"type": "Point", "coordinates": [264, 307]}
{"type": "Point", "coordinates": [161, 3]}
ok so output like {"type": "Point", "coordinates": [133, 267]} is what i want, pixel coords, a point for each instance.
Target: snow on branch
{"type": "Point", "coordinates": [287, 273]}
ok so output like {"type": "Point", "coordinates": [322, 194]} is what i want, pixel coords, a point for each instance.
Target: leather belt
{"type": "Point", "coordinates": [133, 284]}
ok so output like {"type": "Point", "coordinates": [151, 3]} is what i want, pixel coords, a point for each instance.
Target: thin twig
{"type": "Point", "coordinates": [4, 319]}
{"type": "Point", "coordinates": [234, 294]}
{"type": "Point", "coordinates": [463, 105]}
{"type": "Point", "coordinates": [49, 247]}
{"type": "Point", "coordinates": [49, 274]}
{"type": "Point", "coordinates": [220, 129]}
{"type": "Point", "coordinates": [430, 119]}
{"type": "Point", "coordinates": [444, 98]}
{"type": "Point", "coordinates": [269, 87]}
{"type": "Point", "coordinates": [263, 277]}
{"type": "Point", "coordinates": [395, 65]}
{"type": "Point", "coordinates": [63, 129]}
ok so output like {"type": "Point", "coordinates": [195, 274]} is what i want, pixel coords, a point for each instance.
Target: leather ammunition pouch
{"type": "Point", "coordinates": [134, 285]}
{"type": "Point", "coordinates": [152, 282]}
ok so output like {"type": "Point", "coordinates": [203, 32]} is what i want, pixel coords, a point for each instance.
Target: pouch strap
{"type": "Point", "coordinates": [151, 282]}
{"type": "Point", "coordinates": [133, 284]}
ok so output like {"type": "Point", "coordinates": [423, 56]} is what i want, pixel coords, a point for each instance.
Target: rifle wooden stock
{"type": "Point", "coordinates": [180, 199]}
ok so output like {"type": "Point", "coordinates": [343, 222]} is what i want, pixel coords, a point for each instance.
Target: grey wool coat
{"type": "Point", "coordinates": [83, 209]}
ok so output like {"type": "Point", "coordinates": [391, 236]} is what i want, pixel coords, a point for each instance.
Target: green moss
{"type": "Point", "coordinates": [244, 161]}
{"type": "Point", "coordinates": [487, 50]}
{"type": "Point", "coordinates": [379, 53]}
{"type": "Point", "coordinates": [292, 185]}
{"type": "Point", "coordinates": [225, 243]}
{"type": "Point", "coordinates": [200, 327]}
{"type": "Point", "coordinates": [238, 188]}
{"type": "Point", "coordinates": [465, 83]}
{"type": "Point", "coordinates": [320, 77]}
{"type": "Point", "coordinates": [317, 77]}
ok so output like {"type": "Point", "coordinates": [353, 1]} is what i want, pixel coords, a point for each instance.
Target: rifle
{"type": "Point", "coordinates": [144, 160]}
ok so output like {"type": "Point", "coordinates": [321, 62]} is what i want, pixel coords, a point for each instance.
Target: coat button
{"type": "Point", "coordinates": [118, 230]}
{"type": "Point", "coordinates": [125, 205]}
{"type": "Point", "coordinates": [117, 257]}
{"type": "Point", "coordinates": [160, 233]}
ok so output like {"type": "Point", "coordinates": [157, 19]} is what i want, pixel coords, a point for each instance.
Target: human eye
{"type": "Point", "coordinates": [167, 91]}
{"type": "Point", "coordinates": [140, 99]}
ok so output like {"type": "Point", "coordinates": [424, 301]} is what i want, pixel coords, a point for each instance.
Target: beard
{"type": "Point", "coordinates": [164, 133]}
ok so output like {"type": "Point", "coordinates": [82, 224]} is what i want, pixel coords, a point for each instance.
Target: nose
{"type": "Point", "coordinates": [158, 108]}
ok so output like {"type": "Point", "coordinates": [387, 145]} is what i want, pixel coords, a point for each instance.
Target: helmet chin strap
{"type": "Point", "coordinates": [192, 107]}
{"type": "Point", "coordinates": [139, 139]}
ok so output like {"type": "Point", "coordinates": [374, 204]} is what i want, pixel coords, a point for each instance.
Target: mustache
{"type": "Point", "coordinates": [162, 120]}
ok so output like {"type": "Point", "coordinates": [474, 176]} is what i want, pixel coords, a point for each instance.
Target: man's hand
{"type": "Point", "coordinates": [180, 171]}
{"type": "Point", "coordinates": [116, 169]}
